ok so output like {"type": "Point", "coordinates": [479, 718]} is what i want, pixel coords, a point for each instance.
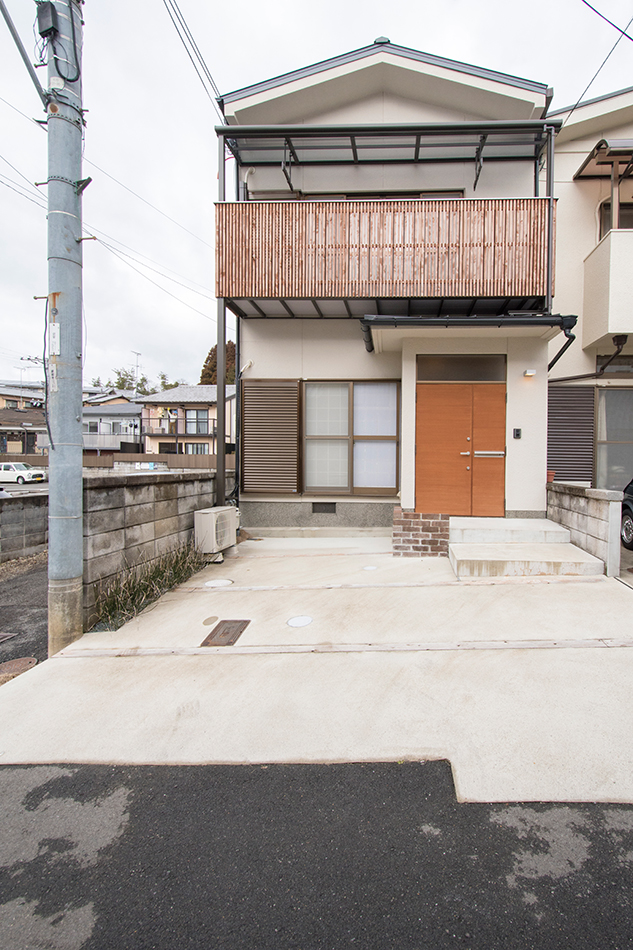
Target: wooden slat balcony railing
{"type": "Point", "coordinates": [405, 248]}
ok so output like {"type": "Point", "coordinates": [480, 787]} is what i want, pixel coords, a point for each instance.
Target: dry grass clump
{"type": "Point", "coordinates": [124, 596]}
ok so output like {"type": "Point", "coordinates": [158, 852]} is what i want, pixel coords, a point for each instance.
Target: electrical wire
{"type": "Point", "coordinates": [180, 25]}
{"type": "Point", "coordinates": [596, 74]}
{"type": "Point", "coordinates": [45, 362]}
{"type": "Point", "coordinates": [160, 273]}
{"type": "Point", "coordinates": [75, 53]}
{"type": "Point", "coordinates": [21, 193]}
{"type": "Point", "coordinates": [145, 201]}
{"type": "Point", "coordinates": [18, 172]}
{"type": "Point", "coordinates": [607, 20]}
{"type": "Point", "coordinates": [40, 125]}
{"type": "Point", "coordinates": [168, 292]}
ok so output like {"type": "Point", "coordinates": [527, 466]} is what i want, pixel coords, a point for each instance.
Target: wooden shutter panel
{"type": "Point", "coordinates": [270, 435]}
{"type": "Point", "coordinates": [570, 426]}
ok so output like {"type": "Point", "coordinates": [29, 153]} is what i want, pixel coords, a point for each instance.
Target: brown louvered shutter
{"type": "Point", "coordinates": [270, 435]}
{"type": "Point", "coordinates": [570, 424]}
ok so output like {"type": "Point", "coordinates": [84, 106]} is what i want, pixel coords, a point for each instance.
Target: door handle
{"type": "Point", "coordinates": [464, 453]}
{"type": "Point", "coordinates": [490, 455]}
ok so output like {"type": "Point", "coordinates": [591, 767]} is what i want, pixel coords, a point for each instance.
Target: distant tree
{"type": "Point", "coordinates": [97, 382]}
{"type": "Point", "coordinates": [209, 374]}
{"type": "Point", "coordinates": [125, 379]}
{"type": "Point", "coordinates": [165, 384]}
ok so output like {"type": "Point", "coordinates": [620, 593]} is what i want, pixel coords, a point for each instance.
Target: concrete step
{"type": "Point", "coordinates": [521, 559]}
{"type": "Point", "coordinates": [506, 530]}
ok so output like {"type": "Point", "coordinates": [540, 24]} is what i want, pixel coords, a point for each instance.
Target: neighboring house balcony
{"type": "Point", "coordinates": [93, 440]}
{"type": "Point", "coordinates": [287, 258]}
{"type": "Point", "coordinates": [607, 292]}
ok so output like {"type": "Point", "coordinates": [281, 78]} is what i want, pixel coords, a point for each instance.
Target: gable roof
{"type": "Point", "coordinates": [379, 45]}
{"type": "Point", "coordinates": [181, 395]}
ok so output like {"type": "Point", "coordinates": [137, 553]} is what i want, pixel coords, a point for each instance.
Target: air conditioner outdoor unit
{"type": "Point", "coordinates": [215, 529]}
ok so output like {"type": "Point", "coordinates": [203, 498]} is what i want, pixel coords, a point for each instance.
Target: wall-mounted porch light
{"type": "Point", "coordinates": [529, 372]}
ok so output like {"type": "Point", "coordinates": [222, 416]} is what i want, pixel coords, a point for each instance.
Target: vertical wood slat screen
{"type": "Point", "coordinates": [570, 430]}
{"type": "Point", "coordinates": [404, 248]}
{"type": "Point", "coordinates": [270, 436]}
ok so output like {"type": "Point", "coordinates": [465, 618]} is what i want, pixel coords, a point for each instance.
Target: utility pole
{"type": "Point", "coordinates": [65, 185]}
{"type": "Point", "coordinates": [137, 354]}
{"type": "Point", "coordinates": [60, 23]}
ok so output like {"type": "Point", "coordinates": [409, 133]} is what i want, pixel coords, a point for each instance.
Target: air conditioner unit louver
{"type": "Point", "coordinates": [215, 529]}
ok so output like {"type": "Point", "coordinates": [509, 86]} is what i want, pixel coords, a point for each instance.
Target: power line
{"type": "Point", "coordinates": [116, 180]}
{"type": "Point", "coordinates": [168, 292]}
{"type": "Point", "coordinates": [24, 115]}
{"type": "Point", "coordinates": [595, 76]}
{"type": "Point", "coordinates": [5, 181]}
{"type": "Point", "coordinates": [17, 171]}
{"type": "Point", "coordinates": [19, 190]}
{"type": "Point", "coordinates": [194, 54]}
{"type": "Point", "coordinates": [160, 273]}
{"type": "Point", "coordinates": [145, 201]}
{"type": "Point", "coordinates": [607, 20]}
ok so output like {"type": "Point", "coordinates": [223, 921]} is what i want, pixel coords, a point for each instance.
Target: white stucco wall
{"type": "Point", "coordinates": [334, 349]}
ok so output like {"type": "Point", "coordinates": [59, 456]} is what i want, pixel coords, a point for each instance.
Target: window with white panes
{"type": "Point", "coordinates": [351, 437]}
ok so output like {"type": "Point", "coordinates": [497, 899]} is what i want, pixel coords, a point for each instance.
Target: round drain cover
{"type": "Point", "coordinates": [220, 582]}
{"type": "Point", "coordinates": [21, 665]}
{"type": "Point", "coordinates": [209, 621]}
{"type": "Point", "coordinates": [299, 621]}
{"type": "Point", "coordinates": [370, 567]}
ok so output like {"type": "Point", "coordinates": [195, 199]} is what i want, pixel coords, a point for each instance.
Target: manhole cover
{"type": "Point", "coordinates": [209, 621]}
{"type": "Point", "coordinates": [226, 633]}
{"type": "Point", "coordinates": [299, 621]}
{"type": "Point", "coordinates": [220, 582]}
{"type": "Point", "coordinates": [370, 567]}
{"type": "Point", "coordinates": [21, 665]}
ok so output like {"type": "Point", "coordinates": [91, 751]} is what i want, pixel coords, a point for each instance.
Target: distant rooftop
{"type": "Point", "coordinates": [181, 395]}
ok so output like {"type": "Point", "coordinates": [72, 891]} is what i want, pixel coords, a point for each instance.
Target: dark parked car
{"type": "Point", "coordinates": [627, 517]}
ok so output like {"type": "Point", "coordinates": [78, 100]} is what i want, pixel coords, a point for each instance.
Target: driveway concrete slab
{"type": "Point", "coordinates": [402, 662]}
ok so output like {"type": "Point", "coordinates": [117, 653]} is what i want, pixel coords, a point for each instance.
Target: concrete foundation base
{"type": "Point", "coordinates": [65, 613]}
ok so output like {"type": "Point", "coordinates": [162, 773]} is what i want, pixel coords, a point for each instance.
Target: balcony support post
{"type": "Point", "coordinates": [550, 217]}
{"type": "Point", "coordinates": [220, 453]}
{"type": "Point", "coordinates": [615, 196]}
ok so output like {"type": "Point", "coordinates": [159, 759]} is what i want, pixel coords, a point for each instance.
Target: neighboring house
{"type": "Point", "coordinates": [22, 431]}
{"type": "Point", "coordinates": [110, 397]}
{"type": "Point", "coordinates": [112, 427]}
{"type": "Point", "coordinates": [183, 420]}
{"type": "Point", "coordinates": [389, 258]}
{"type": "Point", "coordinates": [591, 418]}
{"type": "Point", "coordinates": [16, 395]}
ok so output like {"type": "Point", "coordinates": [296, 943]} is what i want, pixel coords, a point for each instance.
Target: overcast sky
{"type": "Point", "coordinates": [150, 125]}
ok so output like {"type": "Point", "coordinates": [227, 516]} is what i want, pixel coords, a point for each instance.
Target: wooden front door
{"type": "Point", "coordinates": [460, 449]}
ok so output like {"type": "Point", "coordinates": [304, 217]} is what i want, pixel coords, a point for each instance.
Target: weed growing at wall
{"type": "Point", "coordinates": [122, 597]}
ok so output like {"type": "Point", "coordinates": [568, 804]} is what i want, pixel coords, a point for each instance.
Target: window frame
{"type": "Point", "coordinates": [199, 426]}
{"type": "Point", "coordinates": [350, 438]}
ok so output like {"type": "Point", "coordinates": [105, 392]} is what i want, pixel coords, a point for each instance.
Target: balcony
{"type": "Point", "coordinates": [95, 440]}
{"type": "Point", "coordinates": [319, 251]}
{"type": "Point", "coordinates": [607, 297]}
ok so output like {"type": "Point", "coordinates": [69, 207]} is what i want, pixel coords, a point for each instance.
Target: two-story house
{"type": "Point", "coordinates": [183, 420]}
{"type": "Point", "coordinates": [591, 388]}
{"type": "Point", "coordinates": [389, 255]}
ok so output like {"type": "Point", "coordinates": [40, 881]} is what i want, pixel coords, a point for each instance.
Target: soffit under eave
{"type": "Point", "coordinates": [598, 122]}
{"type": "Point", "coordinates": [342, 86]}
{"type": "Point", "coordinates": [392, 339]}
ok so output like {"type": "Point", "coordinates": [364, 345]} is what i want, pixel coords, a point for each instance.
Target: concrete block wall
{"type": "Point", "coordinates": [593, 517]}
{"type": "Point", "coordinates": [133, 518]}
{"type": "Point", "coordinates": [419, 535]}
{"type": "Point", "coordinates": [23, 526]}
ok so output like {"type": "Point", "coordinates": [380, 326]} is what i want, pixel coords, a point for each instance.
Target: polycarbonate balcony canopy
{"type": "Point", "coordinates": [604, 156]}
{"type": "Point", "coordinates": [387, 144]}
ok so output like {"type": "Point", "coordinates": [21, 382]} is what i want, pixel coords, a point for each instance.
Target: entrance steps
{"type": "Point", "coordinates": [516, 547]}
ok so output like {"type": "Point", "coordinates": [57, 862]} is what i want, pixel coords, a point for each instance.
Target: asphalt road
{"type": "Point", "coordinates": [24, 608]}
{"type": "Point", "coordinates": [305, 857]}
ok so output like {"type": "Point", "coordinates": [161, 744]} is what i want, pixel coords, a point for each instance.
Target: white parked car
{"type": "Point", "coordinates": [21, 473]}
